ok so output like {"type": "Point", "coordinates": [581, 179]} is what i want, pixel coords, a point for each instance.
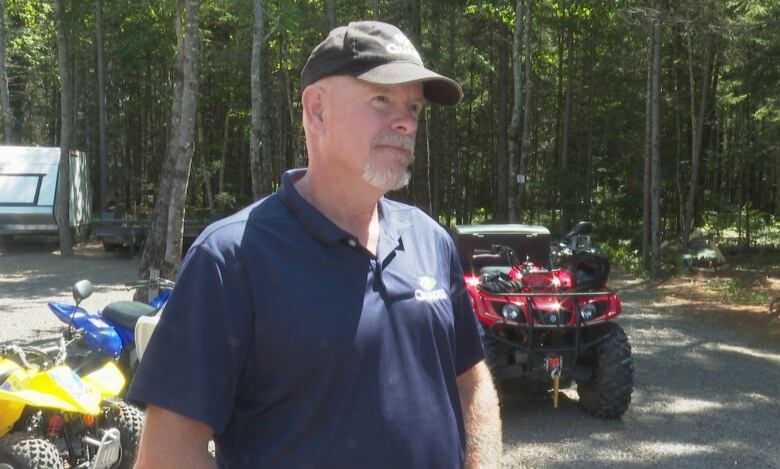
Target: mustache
{"type": "Point", "coordinates": [401, 141]}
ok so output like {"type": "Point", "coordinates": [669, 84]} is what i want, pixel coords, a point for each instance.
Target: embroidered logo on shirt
{"type": "Point", "coordinates": [426, 291]}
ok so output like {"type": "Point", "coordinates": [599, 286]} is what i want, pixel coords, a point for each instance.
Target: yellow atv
{"type": "Point", "coordinates": [50, 416]}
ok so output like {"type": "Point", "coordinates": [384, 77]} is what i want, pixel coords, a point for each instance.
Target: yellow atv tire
{"type": "Point", "coordinates": [23, 450]}
{"type": "Point", "coordinates": [129, 421]}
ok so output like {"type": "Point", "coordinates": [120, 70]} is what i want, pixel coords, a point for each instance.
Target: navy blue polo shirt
{"type": "Point", "coordinates": [302, 350]}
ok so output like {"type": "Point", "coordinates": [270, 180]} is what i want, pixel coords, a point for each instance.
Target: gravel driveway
{"type": "Point", "coordinates": [705, 393]}
{"type": "Point", "coordinates": [32, 273]}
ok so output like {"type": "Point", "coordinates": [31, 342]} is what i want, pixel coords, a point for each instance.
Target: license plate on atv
{"type": "Point", "coordinates": [109, 452]}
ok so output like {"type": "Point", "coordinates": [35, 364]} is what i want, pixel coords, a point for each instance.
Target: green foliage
{"type": "Point", "coordinates": [225, 202]}
{"type": "Point", "coordinates": [739, 290]}
{"type": "Point", "coordinates": [622, 253]}
{"type": "Point", "coordinates": [470, 40]}
{"type": "Point", "coordinates": [729, 227]}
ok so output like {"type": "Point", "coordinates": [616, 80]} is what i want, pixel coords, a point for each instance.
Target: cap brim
{"type": "Point", "coordinates": [437, 88]}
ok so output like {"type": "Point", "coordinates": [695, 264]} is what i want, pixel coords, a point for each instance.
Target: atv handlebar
{"type": "Point", "coordinates": [150, 283]}
{"type": "Point", "coordinates": [45, 353]}
{"type": "Point", "coordinates": [555, 294]}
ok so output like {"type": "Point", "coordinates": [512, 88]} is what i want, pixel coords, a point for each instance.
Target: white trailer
{"type": "Point", "coordinates": [28, 189]}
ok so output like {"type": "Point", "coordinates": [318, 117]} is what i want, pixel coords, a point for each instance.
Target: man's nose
{"type": "Point", "coordinates": [405, 122]}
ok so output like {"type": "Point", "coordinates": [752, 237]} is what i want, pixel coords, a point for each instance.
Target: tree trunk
{"type": "Point", "coordinates": [567, 195]}
{"type": "Point", "coordinates": [225, 141]}
{"type": "Point", "coordinates": [777, 185]}
{"type": "Point", "coordinates": [375, 13]}
{"type": "Point", "coordinates": [295, 133]}
{"type": "Point", "coordinates": [156, 240]}
{"type": "Point", "coordinates": [7, 115]}
{"type": "Point", "coordinates": [259, 140]}
{"type": "Point", "coordinates": [66, 133]}
{"type": "Point", "coordinates": [525, 147]}
{"type": "Point", "coordinates": [697, 132]}
{"type": "Point", "coordinates": [205, 170]}
{"type": "Point", "coordinates": [500, 110]}
{"type": "Point", "coordinates": [589, 150]}
{"type": "Point", "coordinates": [331, 6]}
{"type": "Point", "coordinates": [566, 136]}
{"type": "Point", "coordinates": [435, 120]}
{"type": "Point", "coordinates": [420, 186]}
{"type": "Point", "coordinates": [102, 108]}
{"type": "Point", "coordinates": [513, 132]}
{"type": "Point", "coordinates": [186, 143]}
{"type": "Point", "coordinates": [646, 193]}
{"type": "Point", "coordinates": [655, 182]}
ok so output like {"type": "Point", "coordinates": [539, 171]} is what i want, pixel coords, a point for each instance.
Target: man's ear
{"type": "Point", "coordinates": [312, 102]}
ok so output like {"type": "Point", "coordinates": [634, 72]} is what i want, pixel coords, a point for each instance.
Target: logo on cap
{"type": "Point", "coordinates": [402, 45]}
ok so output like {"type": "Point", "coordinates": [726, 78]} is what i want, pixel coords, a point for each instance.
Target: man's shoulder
{"type": "Point", "coordinates": [228, 233]}
{"type": "Point", "coordinates": [412, 215]}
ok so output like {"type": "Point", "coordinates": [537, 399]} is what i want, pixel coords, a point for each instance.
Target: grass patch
{"type": "Point", "coordinates": [739, 290]}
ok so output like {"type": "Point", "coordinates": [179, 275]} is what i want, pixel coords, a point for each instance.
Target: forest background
{"type": "Point", "coordinates": [648, 119]}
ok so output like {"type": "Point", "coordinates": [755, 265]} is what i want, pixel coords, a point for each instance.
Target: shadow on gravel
{"type": "Point", "coordinates": [34, 269]}
{"type": "Point", "coordinates": [706, 383]}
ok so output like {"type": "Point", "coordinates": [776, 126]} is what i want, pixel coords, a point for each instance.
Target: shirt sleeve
{"type": "Point", "coordinates": [197, 352]}
{"type": "Point", "coordinates": [468, 331]}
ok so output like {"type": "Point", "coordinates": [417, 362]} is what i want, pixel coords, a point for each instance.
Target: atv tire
{"type": "Point", "coordinates": [491, 348]}
{"type": "Point", "coordinates": [129, 421]}
{"type": "Point", "coordinates": [22, 450]}
{"type": "Point", "coordinates": [111, 247]}
{"type": "Point", "coordinates": [607, 393]}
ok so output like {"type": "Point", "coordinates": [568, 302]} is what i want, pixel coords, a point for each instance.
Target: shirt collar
{"type": "Point", "coordinates": [312, 220]}
{"type": "Point", "coordinates": [391, 222]}
{"type": "Point", "coordinates": [392, 226]}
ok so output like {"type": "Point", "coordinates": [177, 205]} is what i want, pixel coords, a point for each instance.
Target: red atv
{"type": "Point", "coordinates": [547, 312]}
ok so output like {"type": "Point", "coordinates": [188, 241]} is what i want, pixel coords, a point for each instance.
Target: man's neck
{"type": "Point", "coordinates": [349, 206]}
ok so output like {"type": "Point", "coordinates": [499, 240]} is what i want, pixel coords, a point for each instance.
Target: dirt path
{"type": "Point", "coordinates": [707, 377]}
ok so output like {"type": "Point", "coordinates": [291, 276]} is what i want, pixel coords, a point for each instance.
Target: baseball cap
{"type": "Point", "coordinates": [377, 53]}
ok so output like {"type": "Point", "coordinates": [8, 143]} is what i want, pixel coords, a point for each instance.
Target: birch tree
{"type": "Point", "coordinates": [162, 249]}
{"type": "Point", "coordinates": [155, 242]}
{"type": "Point", "coordinates": [185, 143]}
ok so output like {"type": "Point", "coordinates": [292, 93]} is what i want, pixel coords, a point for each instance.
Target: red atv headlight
{"type": "Point", "coordinates": [510, 311]}
{"type": "Point", "coordinates": [593, 310]}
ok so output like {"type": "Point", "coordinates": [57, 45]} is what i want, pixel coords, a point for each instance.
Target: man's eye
{"type": "Point", "coordinates": [415, 108]}
{"type": "Point", "coordinates": [381, 98]}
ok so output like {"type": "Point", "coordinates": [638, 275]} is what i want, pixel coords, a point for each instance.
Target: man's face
{"type": "Point", "coordinates": [371, 129]}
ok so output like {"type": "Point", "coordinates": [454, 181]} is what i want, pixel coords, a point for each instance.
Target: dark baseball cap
{"type": "Point", "coordinates": [377, 53]}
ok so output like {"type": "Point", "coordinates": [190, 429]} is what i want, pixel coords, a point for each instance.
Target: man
{"type": "Point", "coordinates": [326, 326]}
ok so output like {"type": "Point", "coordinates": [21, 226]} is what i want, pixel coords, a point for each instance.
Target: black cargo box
{"type": "Point", "coordinates": [484, 245]}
